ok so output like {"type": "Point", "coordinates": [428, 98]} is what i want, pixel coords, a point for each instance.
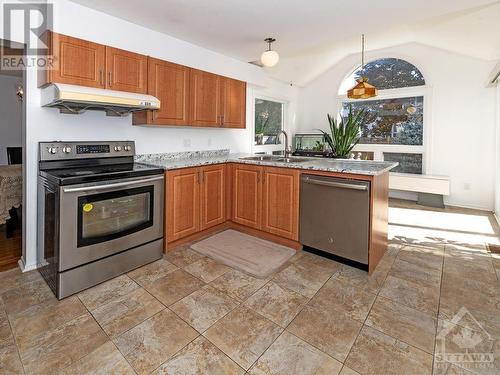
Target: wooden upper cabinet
{"type": "Point", "coordinates": [188, 97]}
{"type": "Point", "coordinates": [126, 71]}
{"type": "Point", "coordinates": [213, 195]}
{"type": "Point", "coordinates": [280, 202]}
{"type": "Point", "coordinates": [182, 203]}
{"type": "Point", "coordinates": [170, 84]}
{"type": "Point", "coordinates": [76, 62]}
{"type": "Point", "coordinates": [233, 103]}
{"type": "Point", "coordinates": [205, 99]}
{"type": "Point", "coordinates": [247, 195]}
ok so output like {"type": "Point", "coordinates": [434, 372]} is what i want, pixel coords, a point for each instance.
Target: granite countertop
{"type": "Point", "coordinates": [169, 161]}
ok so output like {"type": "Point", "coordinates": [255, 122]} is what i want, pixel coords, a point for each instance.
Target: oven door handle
{"type": "Point", "coordinates": [111, 186]}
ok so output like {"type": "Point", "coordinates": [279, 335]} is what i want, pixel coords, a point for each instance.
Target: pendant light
{"type": "Point", "coordinates": [269, 58]}
{"type": "Point", "coordinates": [362, 90]}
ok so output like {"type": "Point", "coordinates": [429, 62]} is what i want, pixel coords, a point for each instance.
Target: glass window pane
{"type": "Point", "coordinates": [391, 121]}
{"type": "Point", "coordinates": [111, 216]}
{"type": "Point", "coordinates": [268, 121]}
{"type": "Point", "coordinates": [408, 163]}
{"type": "Point", "coordinates": [389, 73]}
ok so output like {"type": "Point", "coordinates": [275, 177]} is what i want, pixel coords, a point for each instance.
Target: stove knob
{"type": "Point", "coordinates": [127, 148]}
{"type": "Point", "coordinates": [66, 150]}
{"type": "Point", "coordinates": [118, 148]}
{"type": "Point", "coordinates": [52, 150]}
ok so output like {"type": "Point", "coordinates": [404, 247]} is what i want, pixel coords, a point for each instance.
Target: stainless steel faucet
{"type": "Point", "coordinates": [287, 150]}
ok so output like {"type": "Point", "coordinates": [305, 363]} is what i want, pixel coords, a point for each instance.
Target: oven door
{"type": "Point", "coordinates": [105, 218]}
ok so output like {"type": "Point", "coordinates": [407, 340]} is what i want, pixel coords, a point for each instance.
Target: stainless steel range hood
{"type": "Point", "coordinates": [78, 99]}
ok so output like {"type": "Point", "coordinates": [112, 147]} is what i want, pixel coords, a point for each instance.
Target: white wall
{"type": "Point", "coordinates": [10, 115]}
{"type": "Point", "coordinates": [43, 124]}
{"type": "Point", "coordinates": [497, 153]}
{"type": "Point", "coordinates": [460, 125]}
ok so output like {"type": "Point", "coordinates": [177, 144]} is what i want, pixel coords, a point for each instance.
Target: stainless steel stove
{"type": "Point", "coordinates": [100, 214]}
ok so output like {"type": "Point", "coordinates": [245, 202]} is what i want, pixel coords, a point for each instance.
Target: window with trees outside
{"type": "Point", "coordinates": [269, 121]}
{"type": "Point", "coordinates": [394, 125]}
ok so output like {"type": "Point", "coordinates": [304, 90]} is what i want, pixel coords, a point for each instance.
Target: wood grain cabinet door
{"type": "Point", "coordinates": [213, 196]}
{"type": "Point", "coordinates": [126, 71]}
{"type": "Point", "coordinates": [247, 195]}
{"type": "Point", "coordinates": [233, 103]}
{"type": "Point", "coordinates": [183, 203]}
{"type": "Point", "coordinates": [280, 202]}
{"type": "Point", "coordinates": [170, 84]}
{"type": "Point", "coordinates": [76, 62]}
{"type": "Point", "coordinates": [205, 99]}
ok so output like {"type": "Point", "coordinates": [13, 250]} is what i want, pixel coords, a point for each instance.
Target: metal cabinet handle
{"type": "Point", "coordinates": [335, 184]}
{"type": "Point", "coordinates": [201, 177]}
{"type": "Point", "coordinates": [111, 186]}
{"type": "Point", "coordinates": [101, 77]}
{"type": "Point", "coordinates": [109, 78]}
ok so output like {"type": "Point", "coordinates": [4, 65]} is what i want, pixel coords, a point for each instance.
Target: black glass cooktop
{"type": "Point", "coordinates": [82, 174]}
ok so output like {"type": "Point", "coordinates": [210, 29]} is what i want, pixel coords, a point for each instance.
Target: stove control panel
{"type": "Point", "coordinates": [84, 150]}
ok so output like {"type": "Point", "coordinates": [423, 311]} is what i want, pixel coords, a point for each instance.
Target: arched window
{"type": "Point", "coordinates": [394, 127]}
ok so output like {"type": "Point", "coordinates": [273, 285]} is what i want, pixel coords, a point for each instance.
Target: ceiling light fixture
{"type": "Point", "coordinates": [362, 90]}
{"type": "Point", "coordinates": [269, 58]}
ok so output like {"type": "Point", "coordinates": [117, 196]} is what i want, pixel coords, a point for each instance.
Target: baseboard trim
{"type": "Point", "coordinates": [24, 267]}
{"type": "Point", "coordinates": [231, 225]}
{"type": "Point", "coordinates": [169, 246]}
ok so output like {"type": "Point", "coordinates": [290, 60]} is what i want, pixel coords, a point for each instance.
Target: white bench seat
{"type": "Point", "coordinates": [430, 188]}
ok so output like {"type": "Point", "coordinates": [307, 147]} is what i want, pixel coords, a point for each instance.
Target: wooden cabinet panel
{"type": "Point", "coordinates": [183, 204]}
{"type": "Point", "coordinates": [233, 103]}
{"type": "Point", "coordinates": [205, 99]}
{"type": "Point", "coordinates": [280, 202]}
{"type": "Point", "coordinates": [76, 61]}
{"type": "Point", "coordinates": [213, 196]}
{"type": "Point", "coordinates": [170, 83]}
{"type": "Point", "coordinates": [247, 195]}
{"type": "Point", "coordinates": [126, 71]}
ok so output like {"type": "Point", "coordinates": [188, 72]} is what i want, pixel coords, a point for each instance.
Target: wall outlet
{"type": "Point", "coordinates": [209, 142]}
{"type": "Point", "coordinates": [187, 143]}
{"type": "Point", "coordinates": [466, 186]}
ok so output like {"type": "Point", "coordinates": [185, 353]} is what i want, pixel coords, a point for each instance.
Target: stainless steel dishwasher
{"type": "Point", "coordinates": [334, 216]}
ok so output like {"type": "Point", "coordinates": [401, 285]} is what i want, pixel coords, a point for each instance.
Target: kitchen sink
{"type": "Point", "coordinates": [262, 158]}
{"type": "Point", "coordinates": [291, 160]}
{"type": "Point", "coordinates": [274, 158]}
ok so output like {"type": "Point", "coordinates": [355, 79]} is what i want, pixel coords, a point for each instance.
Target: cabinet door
{"type": "Point", "coordinates": [183, 203]}
{"type": "Point", "coordinates": [76, 62]}
{"type": "Point", "coordinates": [280, 208]}
{"type": "Point", "coordinates": [213, 196]}
{"type": "Point", "coordinates": [170, 83]}
{"type": "Point", "coordinates": [247, 195]}
{"type": "Point", "coordinates": [205, 99]}
{"type": "Point", "coordinates": [233, 103]}
{"type": "Point", "coordinates": [126, 71]}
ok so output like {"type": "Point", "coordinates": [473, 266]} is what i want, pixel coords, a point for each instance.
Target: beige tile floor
{"type": "Point", "coordinates": [186, 314]}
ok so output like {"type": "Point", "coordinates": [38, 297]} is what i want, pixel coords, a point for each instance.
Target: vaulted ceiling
{"type": "Point", "coordinates": [313, 35]}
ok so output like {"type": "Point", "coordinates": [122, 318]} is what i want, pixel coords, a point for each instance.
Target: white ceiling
{"type": "Point", "coordinates": [312, 35]}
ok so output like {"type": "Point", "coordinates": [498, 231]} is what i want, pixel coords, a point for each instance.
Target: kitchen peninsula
{"type": "Point", "coordinates": [209, 191]}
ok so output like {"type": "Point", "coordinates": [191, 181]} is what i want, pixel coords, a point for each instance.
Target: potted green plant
{"type": "Point", "coordinates": [345, 133]}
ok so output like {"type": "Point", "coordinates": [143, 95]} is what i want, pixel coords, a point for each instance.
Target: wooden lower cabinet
{"type": "Point", "coordinates": [247, 195]}
{"type": "Point", "coordinates": [212, 196]}
{"type": "Point", "coordinates": [183, 203]}
{"type": "Point", "coordinates": [280, 202]}
{"type": "Point", "coordinates": [267, 199]}
{"type": "Point", "coordinates": [195, 200]}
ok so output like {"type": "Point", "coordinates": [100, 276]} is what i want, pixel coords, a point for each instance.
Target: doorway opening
{"type": "Point", "coordinates": [12, 140]}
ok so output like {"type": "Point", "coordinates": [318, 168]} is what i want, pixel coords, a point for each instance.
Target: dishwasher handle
{"type": "Point", "coordinates": [342, 185]}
